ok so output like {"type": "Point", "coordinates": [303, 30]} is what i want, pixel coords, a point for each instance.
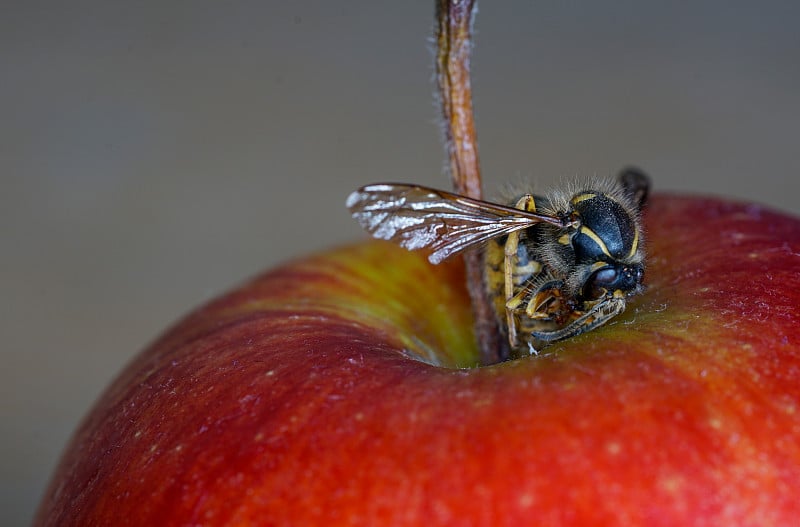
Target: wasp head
{"type": "Point", "coordinates": [607, 245]}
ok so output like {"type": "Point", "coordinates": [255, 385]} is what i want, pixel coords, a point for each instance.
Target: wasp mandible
{"type": "Point", "coordinates": [555, 266]}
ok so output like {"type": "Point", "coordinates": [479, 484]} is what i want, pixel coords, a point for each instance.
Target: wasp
{"type": "Point", "coordinates": [556, 266]}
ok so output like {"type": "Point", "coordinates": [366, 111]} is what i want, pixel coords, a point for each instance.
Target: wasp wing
{"type": "Point", "coordinates": [419, 217]}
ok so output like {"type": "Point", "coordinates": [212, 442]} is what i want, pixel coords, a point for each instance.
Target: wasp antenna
{"type": "Point", "coordinates": [636, 184]}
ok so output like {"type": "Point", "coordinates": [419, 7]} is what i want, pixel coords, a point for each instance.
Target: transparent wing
{"type": "Point", "coordinates": [418, 217]}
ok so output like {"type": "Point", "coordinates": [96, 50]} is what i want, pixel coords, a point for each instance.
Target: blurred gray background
{"type": "Point", "coordinates": [154, 154]}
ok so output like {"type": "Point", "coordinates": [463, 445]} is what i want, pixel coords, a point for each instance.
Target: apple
{"type": "Point", "coordinates": [333, 391]}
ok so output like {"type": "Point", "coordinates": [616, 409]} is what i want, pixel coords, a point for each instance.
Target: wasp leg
{"type": "Point", "coordinates": [525, 203]}
{"type": "Point", "coordinates": [547, 302]}
{"type": "Point", "coordinates": [512, 307]}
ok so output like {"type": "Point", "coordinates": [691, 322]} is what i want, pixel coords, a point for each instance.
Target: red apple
{"type": "Point", "coordinates": [296, 399]}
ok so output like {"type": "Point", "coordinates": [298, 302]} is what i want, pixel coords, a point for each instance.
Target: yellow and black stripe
{"type": "Point", "coordinates": [608, 231]}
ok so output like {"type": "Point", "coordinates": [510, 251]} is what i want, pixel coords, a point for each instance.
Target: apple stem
{"type": "Point", "coordinates": [453, 47]}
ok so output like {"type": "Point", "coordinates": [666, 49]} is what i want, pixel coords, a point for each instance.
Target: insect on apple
{"type": "Point", "coordinates": [555, 266]}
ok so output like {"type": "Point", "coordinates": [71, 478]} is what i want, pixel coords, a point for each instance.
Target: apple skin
{"type": "Point", "coordinates": [294, 399]}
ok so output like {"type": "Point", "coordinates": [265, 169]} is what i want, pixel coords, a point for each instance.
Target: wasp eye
{"type": "Point", "coordinates": [605, 276]}
{"type": "Point", "coordinates": [600, 282]}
